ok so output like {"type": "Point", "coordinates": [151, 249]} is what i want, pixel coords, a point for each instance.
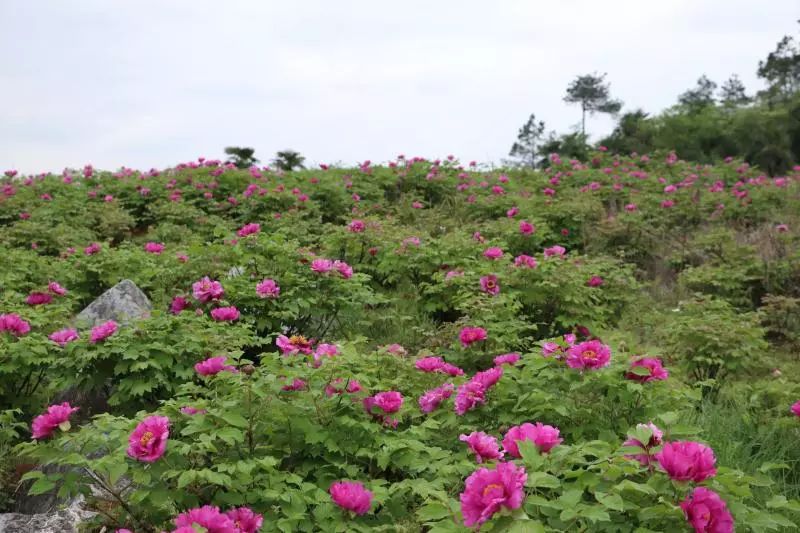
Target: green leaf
{"type": "Point", "coordinates": [233, 418]}
{"type": "Point", "coordinates": [40, 486]}
{"type": "Point", "coordinates": [526, 526]}
{"type": "Point", "coordinates": [432, 512]}
{"type": "Point", "coordinates": [188, 476]}
{"type": "Point", "coordinates": [612, 501]}
{"type": "Point", "coordinates": [594, 513]}
{"type": "Point", "coordinates": [116, 470]}
{"type": "Point", "coordinates": [542, 479]}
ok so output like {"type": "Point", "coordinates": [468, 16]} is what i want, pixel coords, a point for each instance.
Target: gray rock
{"type": "Point", "coordinates": [61, 521]}
{"type": "Point", "coordinates": [122, 303]}
{"type": "Point", "coordinates": [235, 272]}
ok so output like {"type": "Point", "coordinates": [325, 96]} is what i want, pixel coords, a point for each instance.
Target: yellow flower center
{"type": "Point", "coordinates": [488, 488]}
{"type": "Point", "coordinates": [297, 340]}
{"type": "Point", "coordinates": [146, 438]}
{"type": "Point", "coordinates": [589, 354]}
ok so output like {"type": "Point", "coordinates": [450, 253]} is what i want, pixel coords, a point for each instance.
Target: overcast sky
{"type": "Point", "coordinates": [155, 82]}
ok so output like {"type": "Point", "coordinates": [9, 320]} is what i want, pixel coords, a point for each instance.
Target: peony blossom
{"type": "Point", "coordinates": [595, 281]}
{"type": "Point", "coordinates": [56, 288]}
{"type": "Point", "coordinates": [225, 314]}
{"type": "Point", "coordinates": [103, 331]}
{"type": "Point", "coordinates": [706, 512]}
{"type": "Point", "coordinates": [653, 367]}
{"type": "Point", "coordinates": [268, 288]}
{"type": "Point", "coordinates": [191, 411]}
{"type": "Point", "coordinates": [351, 496]}
{"type": "Point", "coordinates": [687, 460]}
{"type": "Point", "coordinates": [490, 285]}
{"type": "Point", "coordinates": [493, 253]}
{"type": "Point", "coordinates": [356, 226]}
{"type": "Point", "coordinates": [470, 335]}
{"type": "Point", "coordinates": [57, 416]}
{"type": "Point", "coordinates": [506, 359]}
{"type": "Point", "coordinates": [64, 336]}
{"type": "Point", "coordinates": [154, 248]}
{"type": "Point", "coordinates": [38, 298]}
{"type": "Point", "coordinates": [206, 290]}
{"type": "Point", "coordinates": [525, 261]}
{"type": "Point", "coordinates": [589, 355]}
{"type": "Point", "coordinates": [488, 491]}
{"type": "Point", "coordinates": [208, 517]}
{"type": "Point", "coordinates": [148, 442]}
{"type": "Point", "coordinates": [396, 349]}
{"type": "Point", "coordinates": [248, 229]}
{"type": "Point", "coordinates": [321, 266]}
{"type": "Point", "coordinates": [655, 440]}
{"type": "Point", "coordinates": [526, 228]}
{"type": "Point", "coordinates": [544, 437]}
{"type": "Point", "coordinates": [343, 268]}
{"type": "Point", "coordinates": [549, 348]}
{"type": "Point", "coordinates": [296, 385]}
{"type": "Point", "coordinates": [245, 520]}
{"type": "Point", "coordinates": [485, 447]}
{"type": "Point", "coordinates": [178, 304]}
{"type": "Point", "coordinates": [388, 402]}
{"type": "Point", "coordinates": [555, 251]}
{"type": "Point", "coordinates": [796, 408]}
{"type": "Point", "coordinates": [432, 399]}
{"type": "Point", "coordinates": [212, 366]}
{"type": "Point", "coordinates": [352, 386]}
{"type": "Point", "coordinates": [14, 324]}
{"type": "Point", "coordinates": [92, 249]}
{"type": "Point", "coordinates": [293, 345]}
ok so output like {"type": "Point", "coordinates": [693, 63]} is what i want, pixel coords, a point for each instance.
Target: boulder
{"type": "Point", "coordinates": [64, 520]}
{"type": "Point", "coordinates": [122, 303]}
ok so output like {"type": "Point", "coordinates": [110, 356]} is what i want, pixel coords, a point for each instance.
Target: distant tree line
{"type": "Point", "coordinates": [244, 157]}
{"type": "Point", "coordinates": [707, 123]}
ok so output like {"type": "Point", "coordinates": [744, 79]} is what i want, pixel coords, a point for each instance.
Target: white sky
{"type": "Point", "coordinates": [154, 82]}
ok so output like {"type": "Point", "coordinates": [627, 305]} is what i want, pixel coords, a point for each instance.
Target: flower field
{"type": "Point", "coordinates": [425, 345]}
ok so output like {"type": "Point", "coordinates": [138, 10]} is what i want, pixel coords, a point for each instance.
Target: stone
{"type": "Point", "coordinates": [57, 521]}
{"type": "Point", "coordinates": [122, 303]}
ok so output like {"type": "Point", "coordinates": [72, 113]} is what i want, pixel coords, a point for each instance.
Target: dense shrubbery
{"type": "Point", "coordinates": [336, 349]}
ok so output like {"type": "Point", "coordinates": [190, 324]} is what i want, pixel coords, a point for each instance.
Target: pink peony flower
{"type": "Point", "coordinates": [148, 441]}
{"type": "Point", "coordinates": [493, 253]}
{"type": "Point", "coordinates": [268, 288]}
{"type": "Point", "coordinates": [469, 396]}
{"type": "Point", "coordinates": [511, 213]}
{"type": "Point", "coordinates": [656, 372]}
{"type": "Point", "coordinates": [351, 496]}
{"type": "Point", "coordinates": [490, 285]}
{"type": "Point", "coordinates": [544, 437]}
{"type": "Point", "coordinates": [655, 440]}
{"type": "Point", "coordinates": [56, 289]}
{"type": "Point", "coordinates": [388, 402]}
{"type": "Point", "coordinates": [429, 364]}
{"type": "Point", "coordinates": [356, 226]}
{"type": "Point", "coordinates": [208, 517]}
{"type": "Point", "coordinates": [589, 355]}
{"type": "Point", "coordinates": [687, 460]}
{"type": "Point", "coordinates": [526, 228]}
{"type": "Point", "coordinates": [706, 512]}
{"type": "Point", "coordinates": [595, 281]}
{"type": "Point", "coordinates": [225, 314]}
{"type": "Point", "coordinates": [352, 386]}
{"type": "Point", "coordinates": [396, 349]}
{"type": "Point", "coordinates": [549, 348]}
{"type": "Point", "coordinates": [796, 408]}
{"type": "Point", "coordinates": [245, 520]}
{"type": "Point", "coordinates": [488, 491]}
{"type": "Point", "coordinates": [14, 324]}
{"type": "Point", "coordinates": [525, 261]}
{"type": "Point", "coordinates": [103, 331]}
{"type": "Point", "coordinates": [212, 366]}
{"type": "Point", "coordinates": [64, 336]}
{"type": "Point", "coordinates": [191, 411]}
{"type": "Point", "coordinates": [154, 248]}
{"type": "Point", "coordinates": [782, 228]}
{"type": "Point", "coordinates": [484, 446]}
{"type": "Point", "coordinates": [555, 251]}
{"type": "Point", "coordinates": [470, 335]}
{"type": "Point", "coordinates": [432, 399]}
{"type": "Point", "coordinates": [324, 350]}
{"type": "Point", "coordinates": [57, 416]}
{"type": "Point", "coordinates": [296, 385]}
{"type": "Point", "coordinates": [321, 266]}
{"type": "Point", "coordinates": [293, 345]}
{"type": "Point", "coordinates": [630, 208]}
{"type": "Point", "coordinates": [206, 290]}
{"type": "Point", "coordinates": [488, 378]}
{"type": "Point", "coordinates": [92, 249]}
{"type": "Point", "coordinates": [249, 229]}
{"type": "Point", "coordinates": [343, 268]}
{"type": "Point", "coordinates": [38, 298]}
{"type": "Point", "coordinates": [506, 359]}
{"type": "Point", "coordinates": [178, 304]}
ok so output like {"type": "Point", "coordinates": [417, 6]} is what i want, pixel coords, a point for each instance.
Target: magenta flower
{"type": "Point", "coordinates": [321, 266]}
{"type": "Point", "coordinates": [706, 512]}
{"type": "Point", "coordinates": [544, 437]}
{"type": "Point", "coordinates": [14, 324]}
{"type": "Point", "coordinates": [293, 345]}
{"type": "Point", "coordinates": [64, 336]}
{"type": "Point", "coordinates": [103, 331]}
{"type": "Point", "coordinates": [148, 442]}
{"type": "Point", "coordinates": [352, 387]}
{"type": "Point", "coordinates": [268, 288]}
{"type": "Point", "coordinates": [555, 251]}
{"type": "Point", "coordinates": [469, 396]}
{"type": "Point", "coordinates": [38, 298]}
{"type": "Point", "coordinates": [343, 268]}
{"type": "Point", "coordinates": [656, 372]}
{"type": "Point", "coordinates": [351, 496]}
{"type": "Point", "coordinates": [396, 349]}
{"type": "Point", "coordinates": [356, 226]}
{"type": "Point", "coordinates": [595, 281]}
{"type": "Point", "coordinates": [225, 314]}
{"type": "Point", "coordinates": [687, 460]}
{"type": "Point", "coordinates": [206, 290]}
{"type": "Point", "coordinates": [488, 491]}
{"type": "Point", "coordinates": [212, 366]}
{"type": "Point", "coordinates": [506, 359]}
{"type": "Point", "coordinates": [485, 447]}
{"type": "Point", "coordinates": [324, 350]}
{"type": "Point", "coordinates": [796, 408]}
{"type": "Point", "coordinates": [245, 520]}
{"type": "Point", "coordinates": [526, 228]}
{"type": "Point", "coordinates": [493, 253]}
{"type": "Point", "coordinates": [470, 335]}
{"type": "Point", "coordinates": [56, 416]}
{"type": "Point", "coordinates": [191, 411]}
{"type": "Point", "coordinates": [154, 248]}
{"type": "Point", "coordinates": [549, 348]}
{"type": "Point", "coordinates": [655, 440]}
{"type": "Point", "coordinates": [389, 402]}
{"type": "Point", "coordinates": [92, 249]}
{"type": "Point", "coordinates": [511, 213]}
{"type": "Point", "coordinates": [525, 261]}
{"type": "Point", "coordinates": [432, 399]}
{"type": "Point", "coordinates": [55, 288]}
{"type": "Point", "coordinates": [178, 304]}
{"type": "Point", "coordinates": [248, 229]}
{"type": "Point", "coordinates": [589, 355]}
{"type": "Point", "coordinates": [208, 517]}
{"type": "Point", "coordinates": [296, 385]}
{"type": "Point", "coordinates": [490, 285]}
